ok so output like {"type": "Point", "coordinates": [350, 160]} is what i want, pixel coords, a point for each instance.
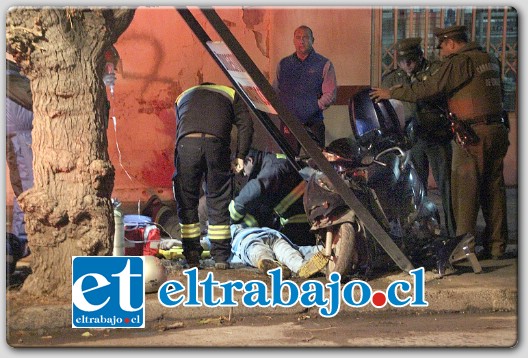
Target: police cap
{"type": "Point", "coordinates": [409, 48]}
{"type": "Point", "coordinates": [450, 32]}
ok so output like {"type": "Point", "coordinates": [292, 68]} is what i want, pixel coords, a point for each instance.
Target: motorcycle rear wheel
{"type": "Point", "coordinates": [344, 253]}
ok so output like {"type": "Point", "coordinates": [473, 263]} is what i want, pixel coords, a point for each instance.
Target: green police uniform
{"type": "Point", "coordinates": [470, 79]}
{"type": "Point", "coordinates": [431, 132]}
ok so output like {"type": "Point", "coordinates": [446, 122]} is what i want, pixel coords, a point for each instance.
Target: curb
{"type": "Point", "coordinates": [495, 289]}
{"type": "Point", "coordinates": [440, 301]}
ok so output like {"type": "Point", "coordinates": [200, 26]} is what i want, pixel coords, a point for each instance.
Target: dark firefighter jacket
{"type": "Point", "coordinates": [272, 196]}
{"type": "Point", "coordinates": [214, 109]}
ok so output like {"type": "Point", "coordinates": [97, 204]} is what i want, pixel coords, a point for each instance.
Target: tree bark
{"type": "Point", "coordinates": [68, 211]}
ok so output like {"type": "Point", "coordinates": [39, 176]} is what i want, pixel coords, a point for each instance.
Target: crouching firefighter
{"type": "Point", "coordinates": [205, 115]}
{"type": "Point", "coordinates": [272, 197]}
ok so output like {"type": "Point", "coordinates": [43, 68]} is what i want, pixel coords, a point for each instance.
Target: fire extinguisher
{"type": "Point", "coordinates": [119, 233]}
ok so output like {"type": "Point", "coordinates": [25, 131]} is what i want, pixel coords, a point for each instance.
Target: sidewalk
{"type": "Point", "coordinates": [494, 289]}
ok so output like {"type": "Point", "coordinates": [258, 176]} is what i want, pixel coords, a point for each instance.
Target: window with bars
{"type": "Point", "coordinates": [494, 28]}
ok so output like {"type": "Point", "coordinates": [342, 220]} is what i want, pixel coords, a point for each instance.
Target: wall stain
{"type": "Point", "coordinates": [158, 172]}
{"type": "Point", "coordinates": [163, 101]}
{"type": "Point", "coordinates": [262, 45]}
{"type": "Point", "coordinates": [252, 18]}
{"type": "Point", "coordinates": [229, 23]}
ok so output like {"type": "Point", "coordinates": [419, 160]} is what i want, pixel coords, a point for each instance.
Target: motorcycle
{"type": "Point", "coordinates": [376, 166]}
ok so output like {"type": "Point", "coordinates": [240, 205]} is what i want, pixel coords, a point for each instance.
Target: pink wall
{"type": "Point", "coordinates": [160, 57]}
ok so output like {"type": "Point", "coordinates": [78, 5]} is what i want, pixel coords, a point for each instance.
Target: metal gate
{"type": "Point", "coordinates": [494, 28]}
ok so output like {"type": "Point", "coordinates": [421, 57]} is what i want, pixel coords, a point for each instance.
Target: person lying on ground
{"type": "Point", "coordinates": [267, 249]}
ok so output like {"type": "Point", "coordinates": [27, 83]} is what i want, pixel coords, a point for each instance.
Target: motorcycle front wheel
{"type": "Point", "coordinates": [344, 253]}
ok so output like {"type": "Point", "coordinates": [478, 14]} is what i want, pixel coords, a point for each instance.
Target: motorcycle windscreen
{"type": "Point", "coordinates": [369, 119]}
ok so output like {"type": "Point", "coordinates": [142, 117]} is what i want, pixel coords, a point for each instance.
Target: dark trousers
{"type": "Point", "coordinates": [299, 234]}
{"type": "Point", "coordinates": [425, 154]}
{"type": "Point", "coordinates": [205, 158]}
{"type": "Point", "coordinates": [316, 131]}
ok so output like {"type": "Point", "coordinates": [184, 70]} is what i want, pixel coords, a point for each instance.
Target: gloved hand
{"type": "Point", "coordinates": [237, 165]}
{"type": "Point", "coordinates": [235, 216]}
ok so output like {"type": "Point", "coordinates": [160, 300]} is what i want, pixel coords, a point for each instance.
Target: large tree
{"type": "Point", "coordinates": [68, 211]}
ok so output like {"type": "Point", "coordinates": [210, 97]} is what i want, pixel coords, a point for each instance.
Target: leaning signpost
{"type": "Point", "coordinates": [260, 96]}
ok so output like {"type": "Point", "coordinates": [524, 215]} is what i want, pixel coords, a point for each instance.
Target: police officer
{"type": "Point", "coordinates": [272, 197]}
{"type": "Point", "coordinates": [205, 115]}
{"type": "Point", "coordinates": [426, 124]}
{"type": "Point", "coordinates": [471, 80]}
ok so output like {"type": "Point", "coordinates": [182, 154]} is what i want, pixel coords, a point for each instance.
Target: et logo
{"type": "Point", "coordinates": [108, 292]}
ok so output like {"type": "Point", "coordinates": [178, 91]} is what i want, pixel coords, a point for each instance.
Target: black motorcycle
{"type": "Point", "coordinates": [376, 166]}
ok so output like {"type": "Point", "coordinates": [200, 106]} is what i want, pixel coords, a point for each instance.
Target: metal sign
{"type": "Point", "coordinates": [240, 75]}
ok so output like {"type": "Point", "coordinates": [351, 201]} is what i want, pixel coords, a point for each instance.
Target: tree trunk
{"type": "Point", "coordinates": [68, 211]}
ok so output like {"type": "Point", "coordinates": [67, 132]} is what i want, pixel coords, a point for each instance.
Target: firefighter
{"type": "Point", "coordinates": [272, 197]}
{"type": "Point", "coordinates": [205, 115]}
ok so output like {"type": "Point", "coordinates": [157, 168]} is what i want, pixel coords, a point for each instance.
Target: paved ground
{"type": "Point", "coordinates": [512, 203]}
{"type": "Point", "coordinates": [495, 289]}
